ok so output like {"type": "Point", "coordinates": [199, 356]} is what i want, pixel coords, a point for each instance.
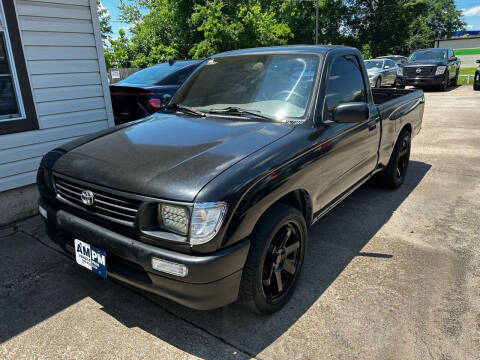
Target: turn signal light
{"type": "Point", "coordinates": [169, 267]}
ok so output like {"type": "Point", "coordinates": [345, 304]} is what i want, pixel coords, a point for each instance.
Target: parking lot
{"type": "Point", "coordinates": [388, 274]}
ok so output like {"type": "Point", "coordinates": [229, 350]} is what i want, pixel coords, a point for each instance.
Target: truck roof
{"type": "Point", "coordinates": [321, 49]}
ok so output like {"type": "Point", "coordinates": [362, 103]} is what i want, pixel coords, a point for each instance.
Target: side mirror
{"type": "Point", "coordinates": [478, 61]}
{"type": "Point", "coordinates": [386, 67]}
{"type": "Point", "coordinates": [453, 58]}
{"type": "Point", "coordinates": [351, 112]}
{"type": "Point", "coordinates": [166, 99]}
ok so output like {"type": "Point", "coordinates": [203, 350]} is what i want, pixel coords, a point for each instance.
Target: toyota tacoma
{"type": "Point", "coordinates": [210, 200]}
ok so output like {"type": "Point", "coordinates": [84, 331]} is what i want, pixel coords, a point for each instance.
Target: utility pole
{"type": "Point", "coordinates": [316, 19]}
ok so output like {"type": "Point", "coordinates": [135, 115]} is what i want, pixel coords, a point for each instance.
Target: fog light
{"type": "Point", "coordinates": [169, 267]}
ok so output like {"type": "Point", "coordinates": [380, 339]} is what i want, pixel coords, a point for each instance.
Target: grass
{"type": "Point", "coordinates": [466, 71]}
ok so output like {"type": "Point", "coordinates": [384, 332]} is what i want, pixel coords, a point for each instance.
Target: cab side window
{"type": "Point", "coordinates": [391, 64]}
{"type": "Point", "coordinates": [345, 83]}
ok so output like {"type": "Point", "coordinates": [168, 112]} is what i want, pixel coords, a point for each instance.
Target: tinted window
{"type": "Point", "coordinates": [178, 77]}
{"type": "Point", "coordinates": [153, 75]}
{"type": "Point", "coordinates": [390, 63]}
{"type": "Point", "coordinates": [345, 83]}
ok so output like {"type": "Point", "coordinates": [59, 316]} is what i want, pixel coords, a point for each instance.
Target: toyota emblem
{"type": "Point", "coordinates": [418, 71]}
{"type": "Point", "coordinates": [87, 197]}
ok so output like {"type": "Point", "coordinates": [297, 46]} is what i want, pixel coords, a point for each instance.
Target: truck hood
{"type": "Point", "coordinates": [168, 156]}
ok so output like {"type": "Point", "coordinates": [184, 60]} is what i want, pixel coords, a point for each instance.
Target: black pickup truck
{"type": "Point", "coordinates": [437, 67]}
{"type": "Point", "coordinates": [211, 200]}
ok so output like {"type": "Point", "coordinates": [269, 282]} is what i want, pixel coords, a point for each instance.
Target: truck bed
{"type": "Point", "coordinates": [396, 106]}
{"type": "Point", "coordinates": [381, 96]}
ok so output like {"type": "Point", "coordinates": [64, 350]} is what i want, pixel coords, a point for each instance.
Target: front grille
{"type": "Point", "coordinates": [411, 71]}
{"type": "Point", "coordinates": [107, 205]}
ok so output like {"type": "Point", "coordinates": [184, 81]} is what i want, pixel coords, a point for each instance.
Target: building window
{"type": "Point", "coordinates": [17, 108]}
{"type": "Point", "coordinates": [9, 105]}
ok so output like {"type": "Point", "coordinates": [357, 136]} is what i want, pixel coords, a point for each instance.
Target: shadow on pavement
{"type": "Point", "coordinates": [54, 284]}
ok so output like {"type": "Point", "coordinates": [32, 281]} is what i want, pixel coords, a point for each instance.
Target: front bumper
{"type": "Point", "coordinates": [212, 281]}
{"type": "Point", "coordinates": [420, 81]}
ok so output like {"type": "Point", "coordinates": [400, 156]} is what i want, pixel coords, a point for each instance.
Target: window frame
{"type": "Point", "coordinates": [28, 119]}
{"type": "Point", "coordinates": [326, 117]}
{"type": "Point", "coordinates": [11, 63]}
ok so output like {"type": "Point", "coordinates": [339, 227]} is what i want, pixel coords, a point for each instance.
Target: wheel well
{"type": "Point", "coordinates": [407, 127]}
{"type": "Point", "coordinates": [301, 200]}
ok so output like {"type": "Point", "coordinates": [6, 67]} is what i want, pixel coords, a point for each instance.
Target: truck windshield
{"type": "Point", "coordinates": [374, 64]}
{"type": "Point", "coordinates": [428, 55]}
{"type": "Point", "coordinates": [275, 85]}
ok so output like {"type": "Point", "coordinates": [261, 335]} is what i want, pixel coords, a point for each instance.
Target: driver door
{"type": "Point", "coordinates": [353, 147]}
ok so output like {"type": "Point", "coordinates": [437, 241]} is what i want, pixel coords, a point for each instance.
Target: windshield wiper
{"type": "Point", "coordinates": [185, 109]}
{"type": "Point", "coordinates": [233, 110]}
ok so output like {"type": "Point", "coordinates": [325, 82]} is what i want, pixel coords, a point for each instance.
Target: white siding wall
{"type": "Point", "coordinates": [64, 55]}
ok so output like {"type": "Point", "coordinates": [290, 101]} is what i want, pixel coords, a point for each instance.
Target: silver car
{"type": "Point", "coordinates": [381, 72]}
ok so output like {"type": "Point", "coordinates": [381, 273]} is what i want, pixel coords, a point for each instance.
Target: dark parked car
{"type": "Point", "coordinates": [381, 72]}
{"type": "Point", "coordinates": [211, 199]}
{"type": "Point", "coordinates": [437, 67]}
{"type": "Point", "coordinates": [398, 59]}
{"type": "Point", "coordinates": [141, 94]}
{"type": "Point", "coordinates": [476, 81]}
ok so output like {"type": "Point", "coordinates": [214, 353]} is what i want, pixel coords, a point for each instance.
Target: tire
{"type": "Point", "coordinates": [455, 80]}
{"type": "Point", "coordinates": [394, 174]}
{"type": "Point", "coordinates": [476, 87]}
{"type": "Point", "coordinates": [378, 83]}
{"type": "Point", "coordinates": [444, 85]}
{"type": "Point", "coordinates": [280, 230]}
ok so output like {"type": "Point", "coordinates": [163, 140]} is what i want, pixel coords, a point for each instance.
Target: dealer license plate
{"type": "Point", "coordinates": [90, 257]}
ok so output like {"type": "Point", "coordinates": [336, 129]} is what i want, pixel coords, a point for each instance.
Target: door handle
{"type": "Point", "coordinates": [372, 125]}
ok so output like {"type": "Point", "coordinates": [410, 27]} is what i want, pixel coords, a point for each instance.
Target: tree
{"type": "Point", "coordinates": [104, 20]}
{"type": "Point", "coordinates": [165, 29]}
{"type": "Point", "coordinates": [300, 17]}
{"type": "Point", "coordinates": [122, 51]}
{"type": "Point", "coordinates": [238, 25]}
{"type": "Point", "coordinates": [401, 26]}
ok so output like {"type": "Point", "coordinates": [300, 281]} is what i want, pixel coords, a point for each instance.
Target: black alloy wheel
{"type": "Point", "coordinates": [403, 158]}
{"type": "Point", "coordinates": [281, 262]}
{"type": "Point", "coordinates": [274, 263]}
{"type": "Point", "coordinates": [394, 173]}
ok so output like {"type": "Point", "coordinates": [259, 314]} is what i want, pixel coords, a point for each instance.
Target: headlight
{"type": "Point", "coordinates": [173, 218]}
{"type": "Point", "coordinates": [206, 221]}
{"type": "Point", "coordinates": [440, 70]}
{"type": "Point", "coordinates": [400, 71]}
